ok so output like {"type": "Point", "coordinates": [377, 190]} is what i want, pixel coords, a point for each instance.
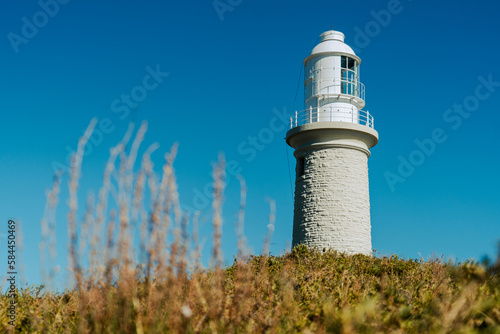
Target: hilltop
{"type": "Point", "coordinates": [302, 291]}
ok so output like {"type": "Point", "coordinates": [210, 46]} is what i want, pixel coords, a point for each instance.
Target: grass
{"type": "Point", "coordinates": [130, 277]}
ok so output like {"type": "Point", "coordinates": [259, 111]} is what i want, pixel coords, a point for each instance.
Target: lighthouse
{"type": "Point", "coordinates": [332, 137]}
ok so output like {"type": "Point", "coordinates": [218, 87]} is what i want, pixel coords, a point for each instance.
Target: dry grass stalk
{"type": "Point", "coordinates": [218, 189]}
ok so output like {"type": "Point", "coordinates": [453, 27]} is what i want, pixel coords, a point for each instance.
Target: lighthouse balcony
{"type": "Point", "coordinates": [352, 87]}
{"type": "Point", "coordinates": [347, 86]}
{"type": "Point", "coordinates": [331, 89]}
{"type": "Point", "coordinates": [331, 114]}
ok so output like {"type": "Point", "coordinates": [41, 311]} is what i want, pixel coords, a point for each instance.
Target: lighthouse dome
{"type": "Point", "coordinates": [332, 42]}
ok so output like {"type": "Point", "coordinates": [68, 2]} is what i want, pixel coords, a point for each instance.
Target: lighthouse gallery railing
{"type": "Point", "coordinates": [348, 86]}
{"type": "Point", "coordinates": [326, 114]}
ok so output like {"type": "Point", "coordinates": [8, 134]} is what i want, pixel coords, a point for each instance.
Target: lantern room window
{"type": "Point", "coordinates": [349, 75]}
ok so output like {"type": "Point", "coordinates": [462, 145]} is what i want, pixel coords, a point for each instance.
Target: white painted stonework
{"type": "Point", "coordinates": [332, 206]}
{"type": "Point", "coordinates": [332, 201]}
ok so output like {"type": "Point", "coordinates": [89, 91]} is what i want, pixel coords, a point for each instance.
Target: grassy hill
{"type": "Point", "coordinates": [301, 292]}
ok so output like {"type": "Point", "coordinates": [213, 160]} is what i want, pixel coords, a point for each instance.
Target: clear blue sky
{"type": "Point", "coordinates": [228, 68]}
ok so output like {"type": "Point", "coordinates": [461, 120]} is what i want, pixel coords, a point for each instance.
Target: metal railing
{"type": "Point", "coordinates": [347, 87]}
{"type": "Point", "coordinates": [331, 114]}
{"type": "Point", "coordinates": [354, 88]}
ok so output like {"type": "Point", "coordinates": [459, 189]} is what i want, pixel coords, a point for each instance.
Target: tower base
{"type": "Point", "coordinates": [332, 202]}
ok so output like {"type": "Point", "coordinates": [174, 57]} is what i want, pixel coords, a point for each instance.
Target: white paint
{"type": "Point", "coordinates": [332, 206]}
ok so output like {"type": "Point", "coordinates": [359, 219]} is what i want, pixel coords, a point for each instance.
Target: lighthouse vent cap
{"type": "Point", "coordinates": [332, 42]}
{"type": "Point", "coordinates": [332, 35]}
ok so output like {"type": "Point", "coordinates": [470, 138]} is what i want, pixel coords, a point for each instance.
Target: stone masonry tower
{"type": "Point", "coordinates": [332, 138]}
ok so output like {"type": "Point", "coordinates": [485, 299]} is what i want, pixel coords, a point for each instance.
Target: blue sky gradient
{"type": "Point", "coordinates": [220, 74]}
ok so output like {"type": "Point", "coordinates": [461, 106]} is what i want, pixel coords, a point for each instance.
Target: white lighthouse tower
{"type": "Point", "coordinates": [332, 138]}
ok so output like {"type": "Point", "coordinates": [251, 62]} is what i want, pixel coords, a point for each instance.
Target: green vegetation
{"type": "Point", "coordinates": [303, 291]}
